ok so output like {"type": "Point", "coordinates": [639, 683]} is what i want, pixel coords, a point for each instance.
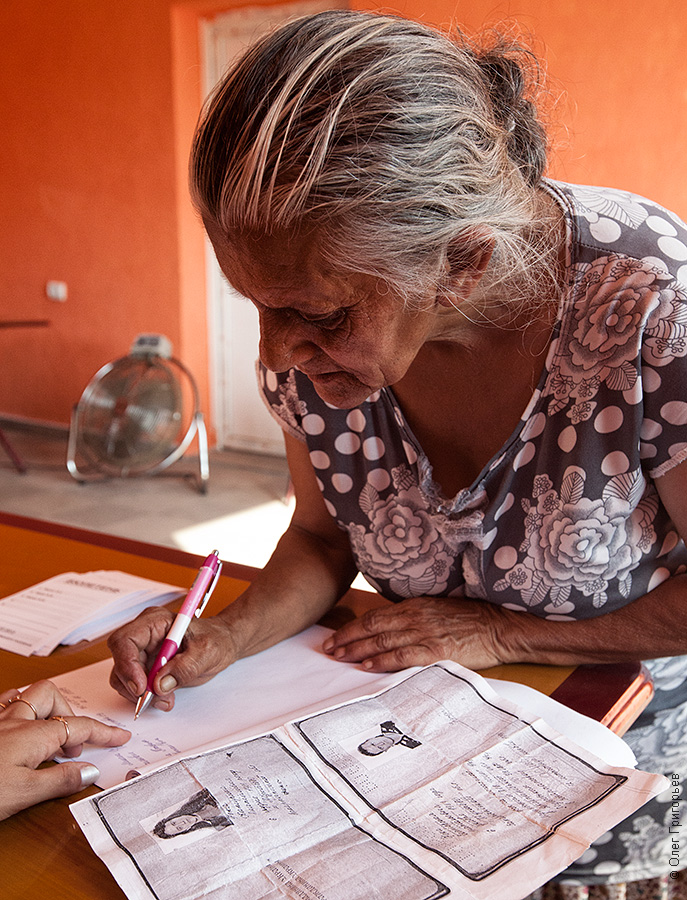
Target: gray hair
{"type": "Point", "coordinates": [397, 143]}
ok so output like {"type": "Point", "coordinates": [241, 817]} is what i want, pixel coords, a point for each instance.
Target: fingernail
{"type": "Point", "coordinates": [89, 774]}
{"type": "Point", "coordinates": [328, 644]}
{"type": "Point", "coordinates": [168, 684]}
{"type": "Point", "coordinates": [367, 664]}
{"type": "Point", "coordinates": [133, 688]}
{"type": "Point", "coordinates": [340, 653]}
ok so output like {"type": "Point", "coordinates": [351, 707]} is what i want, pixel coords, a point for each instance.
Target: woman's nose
{"type": "Point", "coordinates": [282, 342]}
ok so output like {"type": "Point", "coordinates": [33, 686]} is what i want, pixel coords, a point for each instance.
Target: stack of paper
{"type": "Point", "coordinates": [76, 607]}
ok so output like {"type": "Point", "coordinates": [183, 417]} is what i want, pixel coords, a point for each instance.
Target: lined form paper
{"type": "Point", "coordinates": [74, 607]}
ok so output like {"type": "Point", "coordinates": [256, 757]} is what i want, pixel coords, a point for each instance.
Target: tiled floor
{"type": "Point", "coordinates": [242, 514]}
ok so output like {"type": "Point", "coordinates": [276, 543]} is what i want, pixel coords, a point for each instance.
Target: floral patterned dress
{"type": "Point", "coordinates": [565, 523]}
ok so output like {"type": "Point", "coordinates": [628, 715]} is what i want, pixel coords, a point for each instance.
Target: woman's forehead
{"type": "Point", "coordinates": [284, 270]}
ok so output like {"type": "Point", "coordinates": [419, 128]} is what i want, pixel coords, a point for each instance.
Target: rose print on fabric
{"type": "Point", "coordinates": [574, 542]}
{"type": "Point", "coordinates": [665, 336]}
{"type": "Point", "coordinates": [663, 738]}
{"type": "Point", "coordinates": [612, 299]}
{"type": "Point", "coordinates": [401, 543]}
{"type": "Point", "coordinates": [290, 409]}
{"type": "Point", "coordinates": [647, 832]}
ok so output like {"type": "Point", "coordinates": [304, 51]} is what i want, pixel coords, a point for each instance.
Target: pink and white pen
{"type": "Point", "coordinates": [193, 605]}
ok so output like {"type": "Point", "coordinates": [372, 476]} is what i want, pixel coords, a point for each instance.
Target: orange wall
{"type": "Point", "coordinates": [97, 105]}
{"type": "Point", "coordinates": [619, 70]}
{"type": "Point", "coordinates": [88, 166]}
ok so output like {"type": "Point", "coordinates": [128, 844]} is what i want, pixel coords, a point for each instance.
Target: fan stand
{"type": "Point", "coordinates": [85, 471]}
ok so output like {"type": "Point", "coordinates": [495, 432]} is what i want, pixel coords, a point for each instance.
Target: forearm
{"type": "Point", "coordinates": [655, 625]}
{"type": "Point", "coordinates": [303, 579]}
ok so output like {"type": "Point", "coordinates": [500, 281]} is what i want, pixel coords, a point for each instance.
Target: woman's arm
{"type": "Point", "coordinates": [479, 635]}
{"type": "Point", "coordinates": [310, 569]}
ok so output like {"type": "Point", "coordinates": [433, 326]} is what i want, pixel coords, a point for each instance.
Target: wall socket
{"type": "Point", "coordinates": [56, 290]}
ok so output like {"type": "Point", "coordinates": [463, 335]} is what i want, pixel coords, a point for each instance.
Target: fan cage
{"type": "Point", "coordinates": [137, 416]}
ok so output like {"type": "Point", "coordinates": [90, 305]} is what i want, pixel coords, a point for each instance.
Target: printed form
{"type": "Point", "coordinates": [434, 786]}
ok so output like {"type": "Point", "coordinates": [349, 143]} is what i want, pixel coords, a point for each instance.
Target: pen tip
{"type": "Point", "coordinates": [142, 703]}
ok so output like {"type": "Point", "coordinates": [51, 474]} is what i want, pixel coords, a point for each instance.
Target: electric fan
{"type": "Point", "coordinates": [137, 416]}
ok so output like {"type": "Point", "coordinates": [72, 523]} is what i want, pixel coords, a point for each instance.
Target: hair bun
{"type": "Point", "coordinates": [508, 84]}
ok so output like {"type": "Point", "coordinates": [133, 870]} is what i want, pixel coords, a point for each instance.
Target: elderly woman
{"type": "Point", "coordinates": [480, 375]}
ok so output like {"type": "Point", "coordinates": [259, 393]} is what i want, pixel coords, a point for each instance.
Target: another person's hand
{"type": "Point", "coordinates": [36, 726]}
{"type": "Point", "coordinates": [207, 648]}
{"type": "Point", "coordinates": [420, 631]}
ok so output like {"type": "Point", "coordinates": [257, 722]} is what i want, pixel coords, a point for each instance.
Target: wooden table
{"type": "Point", "coordinates": [43, 853]}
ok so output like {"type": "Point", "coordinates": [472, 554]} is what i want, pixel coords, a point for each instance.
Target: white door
{"type": "Point", "coordinates": [240, 417]}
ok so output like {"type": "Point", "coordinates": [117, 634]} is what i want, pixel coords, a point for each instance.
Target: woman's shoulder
{"type": "Point", "coordinates": [609, 222]}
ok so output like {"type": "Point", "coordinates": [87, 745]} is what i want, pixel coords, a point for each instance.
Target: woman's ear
{"type": "Point", "coordinates": [467, 259]}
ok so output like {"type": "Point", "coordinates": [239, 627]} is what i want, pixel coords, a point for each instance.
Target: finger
{"type": "Point", "coordinates": [43, 784]}
{"type": "Point", "coordinates": [47, 700]}
{"type": "Point", "coordinates": [31, 743]}
{"type": "Point", "coordinates": [20, 708]}
{"type": "Point", "coordinates": [84, 730]}
{"type": "Point", "coordinates": [343, 643]}
{"type": "Point", "coordinates": [401, 658]}
{"type": "Point", "coordinates": [390, 651]}
{"type": "Point", "coordinates": [76, 731]}
{"type": "Point", "coordinates": [166, 703]}
{"type": "Point", "coordinates": [6, 696]}
{"type": "Point", "coordinates": [128, 690]}
{"type": "Point", "coordinates": [207, 648]}
{"type": "Point", "coordinates": [133, 649]}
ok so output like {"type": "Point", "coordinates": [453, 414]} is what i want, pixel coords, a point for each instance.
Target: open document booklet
{"type": "Point", "coordinates": [436, 786]}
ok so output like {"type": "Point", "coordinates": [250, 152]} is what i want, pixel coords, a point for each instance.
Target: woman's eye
{"type": "Point", "coordinates": [333, 320]}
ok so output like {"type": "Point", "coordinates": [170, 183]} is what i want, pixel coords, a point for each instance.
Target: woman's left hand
{"type": "Point", "coordinates": [36, 726]}
{"type": "Point", "coordinates": [420, 631]}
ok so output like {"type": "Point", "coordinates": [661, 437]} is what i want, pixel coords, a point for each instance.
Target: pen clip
{"type": "Point", "coordinates": [204, 602]}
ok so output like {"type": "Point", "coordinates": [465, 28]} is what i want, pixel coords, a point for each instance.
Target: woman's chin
{"type": "Point", "coordinates": [340, 389]}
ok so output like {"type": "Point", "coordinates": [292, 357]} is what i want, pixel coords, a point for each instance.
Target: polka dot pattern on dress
{"type": "Point", "coordinates": [347, 443]}
{"type": "Point", "coordinates": [356, 420]}
{"type": "Point", "coordinates": [606, 231]}
{"type": "Point", "coordinates": [342, 483]}
{"type": "Point", "coordinates": [609, 419]}
{"type": "Point", "coordinates": [608, 415]}
{"type": "Point", "coordinates": [373, 448]}
{"type": "Point", "coordinates": [313, 424]}
{"type": "Point", "coordinates": [673, 248]}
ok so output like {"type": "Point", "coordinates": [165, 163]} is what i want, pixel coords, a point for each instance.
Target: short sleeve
{"type": "Point", "coordinates": [630, 319]}
{"type": "Point", "coordinates": [663, 438]}
{"type": "Point", "coordinates": [279, 392]}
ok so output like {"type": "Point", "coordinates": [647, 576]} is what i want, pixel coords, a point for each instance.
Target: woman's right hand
{"type": "Point", "coordinates": [207, 648]}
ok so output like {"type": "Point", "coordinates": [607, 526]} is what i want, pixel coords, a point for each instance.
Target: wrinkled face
{"type": "Point", "coordinates": [348, 333]}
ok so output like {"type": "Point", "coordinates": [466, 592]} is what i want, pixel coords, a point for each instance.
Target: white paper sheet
{"type": "Point", "coordinates": [290, 680]}
{"type": "Point", "coordinates": [473, 797]}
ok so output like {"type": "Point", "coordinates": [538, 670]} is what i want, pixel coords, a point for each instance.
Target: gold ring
{"type": "Point", "coordinates": [20, 699]}
{"type": "Point", "coordinates": [66, 728]}
{"type": "Point", "coordinates": [5, 705]}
